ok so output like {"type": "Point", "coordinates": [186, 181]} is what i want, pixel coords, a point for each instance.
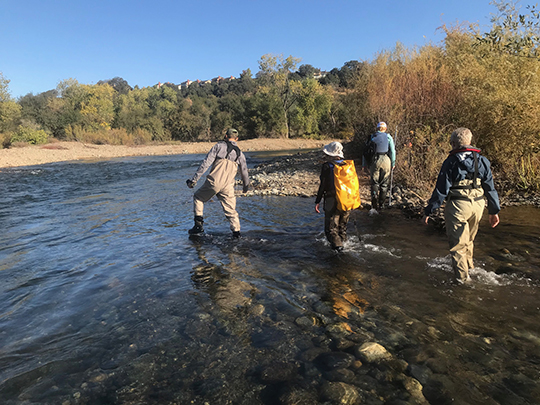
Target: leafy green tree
{"type": "Point", "coordinates": [331, 78]}
{"type": "Point", "coordinates": [117, 83]}
{"type": "Point", "coordinates": [307, 71]}
{"type": "Point", "coordinates": [97, 108]}
{"type": "Point", "coordinates": [263, 116]}
{"type": "Point", "coordinates": [348, 73]}
{"type": "Point", "coordinates": [245, 84]}
{"type": "Point", "coordinates": [34, 109]}
{"type": "Point", "coordinates": [9, 109]}
{"type": "Point", "coordinates": [275, 81]}
{"type": "Point", "coordinates": [131, 110]}
{"type": "Point", "coordinates": [313, 103]}
{"type": "Point", "coordinates": [512, 32]}
{"type": "Point", "coordinates": [143, 109]}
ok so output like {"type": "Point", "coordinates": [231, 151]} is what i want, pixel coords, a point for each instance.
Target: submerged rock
{"type": "Point", "coordinates": [341, 393]}
{"type": "Point", "coordinates": [298, 396]}
{"type": "Point", "coordinates": [335, 360]}
{"type": "Point", "coordinates": [340, 375]}
{"type": "Point", "coordinates": [371, 352]}
{"type": "Point", "coordinates": [414, 388]}
{"type": "Point", "coordinates": [280, 372]}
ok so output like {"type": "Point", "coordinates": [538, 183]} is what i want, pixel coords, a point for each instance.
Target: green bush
{"type": "Point", "coordinates": [29, 135]}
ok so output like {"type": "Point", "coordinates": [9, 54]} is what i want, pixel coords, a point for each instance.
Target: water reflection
{"type": "Point", "coordinates": [104, 299]}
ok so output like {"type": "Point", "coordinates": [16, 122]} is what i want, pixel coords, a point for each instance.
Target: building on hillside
{"type": "Point", "coordinates": [320, 75]}
{"type": "Point", "coordinates": [185, 84]}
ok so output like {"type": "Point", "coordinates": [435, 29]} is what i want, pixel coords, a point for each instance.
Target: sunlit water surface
{"type": "Point", "coordinates": [105, 299]}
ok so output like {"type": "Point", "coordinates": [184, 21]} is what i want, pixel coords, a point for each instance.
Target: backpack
{"type": "Point", "coordinates": [370, 149]}
{"type": "Point", "coordinates": [230, 148]}
{"type": "Point", "coordinates": [347, 186]}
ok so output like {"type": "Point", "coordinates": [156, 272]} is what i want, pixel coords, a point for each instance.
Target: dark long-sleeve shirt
{"type": "Point", "coordinates": [326, 186]}
{"type": "Point", "coordinates": [456, 168]}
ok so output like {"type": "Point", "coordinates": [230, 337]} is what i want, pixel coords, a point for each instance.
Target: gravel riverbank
{"type": "Point", "coordinates": [298, 175]}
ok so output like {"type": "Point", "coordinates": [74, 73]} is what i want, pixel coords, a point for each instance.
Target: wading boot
{"type": "Point", "coordinates": [236, 234]}
{"type": "Point", "coordinates": [198, 227]}
{"type": "Point", "coordinates": [382, 199]}
{"type": "Point", "coordinates": [374, 202]}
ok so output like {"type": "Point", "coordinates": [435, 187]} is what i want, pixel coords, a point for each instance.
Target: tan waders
{"type": "Point", "coordinates": [220, 183]}
{"type": "Point", "coordinates": [380, 171]}
{"type": "Point", "coordinates": [463, 213]}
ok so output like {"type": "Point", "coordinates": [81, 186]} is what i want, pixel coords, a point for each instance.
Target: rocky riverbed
{"type": "Point", "coordinates": [298, 175]}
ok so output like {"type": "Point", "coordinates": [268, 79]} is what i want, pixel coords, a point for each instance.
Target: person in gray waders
{"type": "Point", "coordinates": [224, 157]}
{"type": "Point", "coordinates": [383, 161]}
{"type": "Point", "coordinates": [465, 181]}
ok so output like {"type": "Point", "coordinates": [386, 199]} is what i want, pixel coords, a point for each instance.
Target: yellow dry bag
{"type": "Point", "coordinates": [347, 187]}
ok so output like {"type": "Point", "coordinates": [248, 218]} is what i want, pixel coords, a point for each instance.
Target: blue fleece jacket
{"type": "Point", "coordinates": [454, 169]}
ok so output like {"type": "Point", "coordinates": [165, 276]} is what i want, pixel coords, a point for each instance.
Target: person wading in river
{"type": "Point", "coordinates": [465, 181]}
{"type": "Point", "coordinates": [335, 220]}
{"type": "Point", "coordinates": [381, 162]}
{"type": "Point", "coordinates": [224, 157]}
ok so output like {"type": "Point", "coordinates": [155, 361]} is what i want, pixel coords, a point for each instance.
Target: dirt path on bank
{"type": "Point", "coordinates": [72, 151]}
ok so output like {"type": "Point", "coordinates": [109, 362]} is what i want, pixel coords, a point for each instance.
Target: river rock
{"type": "Point", "coordinates": [371, 352]}
{"type": "Point", "coordinates": [257, 310]}
{"type": "Point", "coordinates": [341, 344]}
{"type": "Point", "coordinates": [335, 360]}
{"type": "Point", "coordinates": [322, 308]}
{"type": "Point", "coordinates": [439, 390]}
{"type": "Point", "coordinates": [414, 388]}
{"type": "Point", "coordinates": [297, 396]}
{"type": "Point", "coordinates": [311, 354]}
{"type": "Point", "coordinates": [322, 341]}
{"type": "Point", "coordinates": [279, 372]}
{"type": "Point", "coordinates": [210, 388]}
{"type": "Point", "coordinates": [268, 337]}
{"type": "Point", "coordinates": [341, 393]}
{"type": "Point", "coordinates": [340, 375]}
{"type": "Point", "coordinates": [421, 373]}
{"type": "Point", "coordinates": [340, 329]}
{"type": "Point", "coordinates": [306, 321]}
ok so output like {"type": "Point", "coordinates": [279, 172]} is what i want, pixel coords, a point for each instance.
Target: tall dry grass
{"type": "Point", "coordinates": [425, 93]}
{"type": "Point", "coordinates": [110, 136]}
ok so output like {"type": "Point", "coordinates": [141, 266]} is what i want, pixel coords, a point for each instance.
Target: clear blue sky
{"type": "Point", "coordinates": [146, 42]}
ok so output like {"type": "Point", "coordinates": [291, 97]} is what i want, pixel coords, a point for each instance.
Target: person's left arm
{"type": "Point", "coordinates": [392, 150]}
{"type": "Point", "coordinates": [244, 171]}
{"type": "Point", "coordinates": [489, 188]}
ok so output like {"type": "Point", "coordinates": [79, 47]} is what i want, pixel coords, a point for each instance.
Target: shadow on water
{"type": "Point", "coordinates": [105, 299]}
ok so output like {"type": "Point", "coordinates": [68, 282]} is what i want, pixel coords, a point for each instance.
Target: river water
{"type": "Point", "coordinates": [105, 300]}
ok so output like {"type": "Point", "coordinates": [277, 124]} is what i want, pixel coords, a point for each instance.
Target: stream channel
{"type": "Point", "coordinates": [104, 299]}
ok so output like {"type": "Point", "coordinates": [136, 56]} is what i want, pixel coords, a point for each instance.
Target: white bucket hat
{"type": "Point", "coordinates": [334, 149]}
{"type": "Point", "coordinates": [381, 125]}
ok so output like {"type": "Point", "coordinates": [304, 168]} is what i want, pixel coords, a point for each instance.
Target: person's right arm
{"type": "Point", "coordinates": [322, 185]}
{"type": "Point", "coordinates": [442, 187]}
{"type": "Point", "coordinates": [206, 163]}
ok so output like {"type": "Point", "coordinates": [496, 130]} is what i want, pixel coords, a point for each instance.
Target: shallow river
{"type": "Point", "coordinates": [105, 300]}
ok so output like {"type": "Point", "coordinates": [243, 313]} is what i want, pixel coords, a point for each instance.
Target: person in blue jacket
{"type": "Point", "coordinates": [465, 181]}
{"type": "Point", "coordinates": [382, 163]}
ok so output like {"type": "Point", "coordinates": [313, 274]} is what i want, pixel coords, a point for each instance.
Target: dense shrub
{"type": "Point", "coordinates": [29, 135]}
